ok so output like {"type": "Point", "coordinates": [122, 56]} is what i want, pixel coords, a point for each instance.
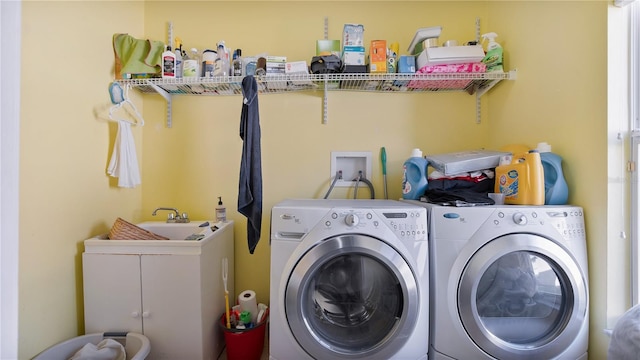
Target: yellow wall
{"type": "Point", "coordinates": [65, 143]}
{"type": "Point", "coordinates": [66, 196]}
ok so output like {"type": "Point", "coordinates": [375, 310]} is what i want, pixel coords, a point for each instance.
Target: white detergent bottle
{"type": "Point", "coordinates": [191, 64]}
{"type": "Point", "coordinates": [168, 63]}
{"type": "Point", "coordinates": [493, 57]}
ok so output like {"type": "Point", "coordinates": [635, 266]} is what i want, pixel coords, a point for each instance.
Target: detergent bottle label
{"type": "Point", "coordinates": [509, 184]}
{"type": "Point", "coordinates": [406, 185]}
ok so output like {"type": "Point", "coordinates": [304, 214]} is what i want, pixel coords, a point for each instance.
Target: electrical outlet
{"type": "Point", "coordinates": [350, 164]}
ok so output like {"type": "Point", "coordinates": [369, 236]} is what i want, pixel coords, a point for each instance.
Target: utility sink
{"type": "Point", "coordinates": [184, 238]}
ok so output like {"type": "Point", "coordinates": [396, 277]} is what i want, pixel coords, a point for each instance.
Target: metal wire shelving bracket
{"type": "Point", "coordinates": [471, 83]}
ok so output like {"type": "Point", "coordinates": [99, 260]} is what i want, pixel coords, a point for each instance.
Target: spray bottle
{"type": "Point", "coordinates": [222, 63]}
{"type": "Point", "coordinates": [178, 50]}
{"type": "Point", "coordinates": [221, 211]}
{"type": "Point", "coordinates": [493, 57]}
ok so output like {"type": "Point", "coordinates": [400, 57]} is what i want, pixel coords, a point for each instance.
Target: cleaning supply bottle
{"type": "Point", "coordinates": [168, 63]}
{"type": "Point", "coordinates": [179, 71]}
{"type": "Point", "coordinates": [237, 63]}
{"type": "Point", "coordinates": [493, 57]}
{"type": "Point", "coordinates": [521, 180]}
{"type": "Point", "coordinates": [414, 177]}
{"type": "Point", "coordinates": [221, 211]}
{"type": "Point", "coordinates": [208, 63]}
{"type": "Point", "coordinates": [222, 64]}
{"type": "Point", "coordinates": [190, 64]}
{"type": "Point", "coordinates": [556, 191]}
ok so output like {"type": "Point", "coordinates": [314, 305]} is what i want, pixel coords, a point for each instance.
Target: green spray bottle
{"type": "Point", "coordinates": [494, 55]}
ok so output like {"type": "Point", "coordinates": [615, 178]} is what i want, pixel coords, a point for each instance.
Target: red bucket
{"type": "Point", "coordinates": [244, 344]}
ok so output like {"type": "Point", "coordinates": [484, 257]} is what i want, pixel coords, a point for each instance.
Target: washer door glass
{"type": "Point", "coordinates": [352, 296]}
{"type": "Point", "coordinates": [518, 294]}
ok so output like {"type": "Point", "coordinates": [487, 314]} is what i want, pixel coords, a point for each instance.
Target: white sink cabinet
{"type": "Point", "coordinates": [169, 290]}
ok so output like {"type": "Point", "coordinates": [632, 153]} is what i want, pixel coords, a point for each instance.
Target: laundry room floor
{"type": "Point", "coordinates": [265, 351]}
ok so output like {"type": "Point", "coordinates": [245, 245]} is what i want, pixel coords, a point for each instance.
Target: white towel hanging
{"type": "Point", "coordinates": [124, 161]}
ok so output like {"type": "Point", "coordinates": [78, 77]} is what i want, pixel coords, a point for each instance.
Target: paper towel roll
{"type": "Point", "coordinates": [247, 302]}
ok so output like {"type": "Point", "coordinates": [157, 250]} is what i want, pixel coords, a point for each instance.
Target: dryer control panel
{"type": "Point", "coordinates": [568, 221]}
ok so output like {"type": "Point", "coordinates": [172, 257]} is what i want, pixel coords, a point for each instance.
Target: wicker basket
{"type": "Point", "coordinates": [123, 230]}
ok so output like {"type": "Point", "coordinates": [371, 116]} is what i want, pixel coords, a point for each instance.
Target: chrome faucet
{"type": "Point", "coordinates": [173, 218]}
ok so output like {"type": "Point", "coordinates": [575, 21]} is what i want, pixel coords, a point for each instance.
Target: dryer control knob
{"type": "Point", "coordinates": [520, 218]}
{"type": "Point", "coordinates": [351, 219]}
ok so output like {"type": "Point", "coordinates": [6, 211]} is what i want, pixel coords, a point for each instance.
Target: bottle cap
{"type": "Point", "coordinates": [416, 153]}
{"type": "Point", "coordinates": [543, 147]}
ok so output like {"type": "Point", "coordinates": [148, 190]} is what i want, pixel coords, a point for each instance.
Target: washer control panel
{"type": "Point", "coordinates": [405, 223]}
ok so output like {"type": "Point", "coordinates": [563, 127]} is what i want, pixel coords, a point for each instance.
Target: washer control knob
{"type": "Point", "coordinates": [351, 219]}
{"type": "Point", "coordinates": [520, 219]}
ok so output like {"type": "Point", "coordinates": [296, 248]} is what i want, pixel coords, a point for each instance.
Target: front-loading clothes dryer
{"type": "Point", "coordinates": [508, 282]}
{"type": "Point", "coordinates": [349, 280]}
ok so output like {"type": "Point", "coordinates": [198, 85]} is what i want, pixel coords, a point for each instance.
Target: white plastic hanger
{"type": "Point", "coordinates": [120, 98]}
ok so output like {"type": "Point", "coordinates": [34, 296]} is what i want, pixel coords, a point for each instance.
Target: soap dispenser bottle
{"type": "Point", "coordinates": [221, 211]}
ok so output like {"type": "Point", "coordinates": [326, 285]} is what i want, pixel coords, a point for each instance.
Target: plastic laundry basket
{"type": "Point", "coordinates": [136, 345]}
{"type": "Point", "coordinates": [244, 344]}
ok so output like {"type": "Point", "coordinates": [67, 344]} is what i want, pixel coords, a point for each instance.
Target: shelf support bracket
{"type": "Point", "coordinates": [478, 108]}
{"type": "Point", "coordinates": [167, 97]}
{"type": "Point", "coordinates": [325, 102]}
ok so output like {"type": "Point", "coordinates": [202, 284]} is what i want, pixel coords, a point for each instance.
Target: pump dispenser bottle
{"type": "Point", "coordinates": [414, 178]}
{"type": "Point", "coordinates": [221, 211]}
{"type": "Point", "coordinates": [178, 51]}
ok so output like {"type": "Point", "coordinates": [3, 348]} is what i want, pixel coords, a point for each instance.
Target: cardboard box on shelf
{"type": "Point", "coordinates": [378, 56]}
{"type": "Point", "coordinates": [407, 64]}
{"type": "Point", "coordinates": [353, 55]}
{"type": "Point", "coordinates": [328, 47]}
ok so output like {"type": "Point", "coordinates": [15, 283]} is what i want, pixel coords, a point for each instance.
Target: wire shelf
{"type": "Point", "coordinates": [471, 83]}
{"type": "Point", "coordinates": [232, 85]}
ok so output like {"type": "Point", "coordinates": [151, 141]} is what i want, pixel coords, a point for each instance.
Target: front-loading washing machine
{"type": "Point", "coordinates": [349, 280]}
{"type": "Point", "coordinates": [508, 282]}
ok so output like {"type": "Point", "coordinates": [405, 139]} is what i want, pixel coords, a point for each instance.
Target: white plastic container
{"type": "Point", "coordinates": [137, 346]}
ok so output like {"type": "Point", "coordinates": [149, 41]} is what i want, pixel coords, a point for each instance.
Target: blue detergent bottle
{"type": "Point", "coordinates": [414, 176]}
{"type": "Point", "coordinates": [556, 191]}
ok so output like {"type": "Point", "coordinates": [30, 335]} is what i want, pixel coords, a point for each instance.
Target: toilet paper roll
{"type": "Point", "coordinates": [247, 302]}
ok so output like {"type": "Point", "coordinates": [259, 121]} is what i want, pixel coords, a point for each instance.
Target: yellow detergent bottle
{"type": "Point", "coordinates": [522, 180]}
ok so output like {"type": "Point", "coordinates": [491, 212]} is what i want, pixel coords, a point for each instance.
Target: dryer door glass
{"type": "Point", "coordinates": [351, 296]}
{"type": "Point", "coordinates": [521, 295]}
{"type": "Point", "coordinates": [522, 289]}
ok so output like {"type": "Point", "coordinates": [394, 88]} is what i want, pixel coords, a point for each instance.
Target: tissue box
{"type": "Point", "coordinates": [465, 161]}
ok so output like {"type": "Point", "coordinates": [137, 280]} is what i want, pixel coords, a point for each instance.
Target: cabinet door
{"type": "Point", "coordinates": [172, 306]}
{"type": "Point", "coordinates": [112, 293]}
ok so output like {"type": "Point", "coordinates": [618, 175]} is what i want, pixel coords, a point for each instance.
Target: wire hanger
{"type": "Point", "coordinates": [120, 98]}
